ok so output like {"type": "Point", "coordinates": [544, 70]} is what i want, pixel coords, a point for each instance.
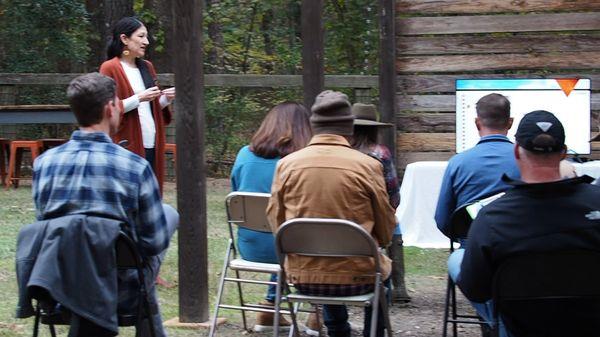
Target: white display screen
{"type": "Point", "coordinates": [568, 99]}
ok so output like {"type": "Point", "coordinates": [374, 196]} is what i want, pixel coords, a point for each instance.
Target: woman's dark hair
{"type": "Point", "coordinates": [285, 129]}
{"type": "Point", "coordinates": [127, 25]}
{"type": "Point", "coordinates": [364, 137]}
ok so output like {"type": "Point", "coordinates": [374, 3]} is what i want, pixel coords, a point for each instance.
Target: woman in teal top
{"type": "Point", "coordinates": [285, 129]}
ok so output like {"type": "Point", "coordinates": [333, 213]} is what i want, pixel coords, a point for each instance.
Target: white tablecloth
{"type": "Point", "coordinates": [591, 168]}
{"type": "Point", "coordinates": [419, 194]}
{"type": "Point", "coordinates": [418, 198]}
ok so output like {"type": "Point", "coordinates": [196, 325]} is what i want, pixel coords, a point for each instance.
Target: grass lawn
{"type": "Point", "coordinates": [16, 210]}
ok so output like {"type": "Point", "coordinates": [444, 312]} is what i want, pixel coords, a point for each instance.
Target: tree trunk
{"type": "Point", "coordinates": [215, 54]}
{"type": "Point", "coordinates": [104, 14]}
{"type": "Point", "coordinates": [265, 27]}
{"type": "Point", "coordinates": [163, 24]}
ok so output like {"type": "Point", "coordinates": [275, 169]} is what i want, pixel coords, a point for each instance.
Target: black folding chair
{"type": "Point", "coordinates": [460, 222]}
{"type": "Point", "coordinates": [51, 313]}
{"type": "Point", "coordinates": [549, 294]}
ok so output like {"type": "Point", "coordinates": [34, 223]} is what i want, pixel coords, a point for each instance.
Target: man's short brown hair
{"type": "Point", "coordinates": [493, 111]}
{"type": "Point", "coordinates": [88, 94]}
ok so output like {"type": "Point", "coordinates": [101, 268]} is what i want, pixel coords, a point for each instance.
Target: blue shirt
{"type": "Point", "coordinates": [252, 173]}
{"type": "Point", "coordinates": [91, 175]}
{"type": "Point", "coordinates": [474, 174]}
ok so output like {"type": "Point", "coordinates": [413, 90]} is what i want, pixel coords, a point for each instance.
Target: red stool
{"type": "Point", "coordinates": [48, 143]}
{"type": "Point", "coordinates": [16, 154]}
{"type": "Point", "coordinates": [4, 151]}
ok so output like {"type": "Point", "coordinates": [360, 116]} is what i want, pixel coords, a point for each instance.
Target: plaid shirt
{"type": "Point", "coordinates": [382, 153]}
{"type": "Point", "coordinates": [92, 175]}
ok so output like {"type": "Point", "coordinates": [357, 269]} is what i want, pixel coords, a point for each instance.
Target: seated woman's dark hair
{"type": "Point", "coordinates": [285, 129]}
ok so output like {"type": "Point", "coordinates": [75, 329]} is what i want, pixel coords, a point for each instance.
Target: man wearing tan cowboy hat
{"type": "Point", "coordinates": [366, 127]}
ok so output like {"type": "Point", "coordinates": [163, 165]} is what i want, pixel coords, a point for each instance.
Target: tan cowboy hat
{"type": "Point", "coordinates": [366, 114]}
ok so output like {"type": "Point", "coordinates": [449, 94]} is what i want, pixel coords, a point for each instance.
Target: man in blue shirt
{"type": "Point", "coordinates": [91, 175]}
{"type": "Point", "coordinates": [477, 172]}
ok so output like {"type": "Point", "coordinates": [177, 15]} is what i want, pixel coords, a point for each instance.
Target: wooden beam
{"type": "Point", "coordinates": [426, 142]}
{"type": "Point", "coordinates": [405, 158]}
{"type": "Point", "coordinates": [491, 6]}
{"type": "Point", "coordinates": [503, 44]}
{"type": "Point", "coordinates": [191, 173]}
{"type": "Point", "coordinates": [446, 103]}
{"type": "Point", "coordinates": [477, 24]}
{"type": "Point", "coordinates": [312, 50]}
{"type": "Point", "coordinates": [532, 61]}
{"type": "Point", "coordinates": [387, 72]}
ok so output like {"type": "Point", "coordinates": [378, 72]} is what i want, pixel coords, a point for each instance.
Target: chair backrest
{"type": "Point", "coordinates": [460, 222]}
{"type": "Point", "coordinates": [325, 237]}
{"type": "Point", "coordinates": [248, 210]}
{"type": "Point", "coordinates": [550, 292]}
{"type": "Point", "coordinates": [128, 255]}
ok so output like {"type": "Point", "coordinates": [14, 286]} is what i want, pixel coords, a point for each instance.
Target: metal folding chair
{"type": "Point", "coordinates": [247, 210]}
{"type": "Point", "coordinates": [460, 222]}
{"type": "Point", "coordinates": [549, 293]}
{"type": "Point", "coordinates": [50, 313]}
{"type": "Point", "coordinates": [314, 237]}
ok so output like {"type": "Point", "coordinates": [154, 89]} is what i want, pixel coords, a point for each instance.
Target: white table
{"type": "Point", "coordinates": [418, 199]}
{"type": "Point", "coordinates": [419, 193]}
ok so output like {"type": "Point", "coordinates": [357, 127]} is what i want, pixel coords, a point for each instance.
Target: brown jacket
{"type": "Point", "coordinates": [130, 128]}
{"type": "Point", "coordinates": [328, 179]}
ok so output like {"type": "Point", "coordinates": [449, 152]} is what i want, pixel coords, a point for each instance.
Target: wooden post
{"type": "Point", "coordinates": [191, 178]}
{"type": "Point", "coordinates": [387, 72]}
{"type": "Point", "coordinates": [312, 50]}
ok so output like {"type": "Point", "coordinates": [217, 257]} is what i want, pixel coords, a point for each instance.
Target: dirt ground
{"type": "Point", "coordinates": [422, 317]}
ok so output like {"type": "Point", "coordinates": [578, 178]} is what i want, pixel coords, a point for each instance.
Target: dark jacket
{"type": "Point", "coordinates": [73, 258]}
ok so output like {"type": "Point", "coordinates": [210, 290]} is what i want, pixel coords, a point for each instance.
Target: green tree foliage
{"type": "Point", "coordinates": [43, 35]}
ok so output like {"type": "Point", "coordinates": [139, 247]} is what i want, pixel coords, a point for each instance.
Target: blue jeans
{"type": "Point", "coordinates": [485, 310]}
{"type": "Point", "coordinates": [336, 319]}
{"type": "Point", "coordinates": [258, 247]}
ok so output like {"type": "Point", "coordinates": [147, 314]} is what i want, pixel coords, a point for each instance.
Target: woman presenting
{"type": "Point", "coordinates": [145, 106]}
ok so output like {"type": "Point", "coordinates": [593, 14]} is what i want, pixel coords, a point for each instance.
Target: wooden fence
{"type": "Point", "coordinates": [441, 41]}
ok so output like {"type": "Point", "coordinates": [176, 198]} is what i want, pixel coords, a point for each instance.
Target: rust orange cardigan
{"type": "Point", "coordinates": [130, 123]}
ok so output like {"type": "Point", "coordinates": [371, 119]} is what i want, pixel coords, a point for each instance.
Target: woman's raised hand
{"type": "Point", "coordinates": [149, 94]}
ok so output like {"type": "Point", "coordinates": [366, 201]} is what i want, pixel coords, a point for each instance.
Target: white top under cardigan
{"type": "Point", "coordinates": [134, 76]}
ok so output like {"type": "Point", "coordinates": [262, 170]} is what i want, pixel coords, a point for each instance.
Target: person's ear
{"type": "Point", "coordinates": [563, 152]}
{"type": "Point", "coordinates": [123, 38]}
{"type": "Point", "coordinates": [516, 151]}
{"type": "Point", "coordinates": [477, 123]}
{"type": "Point", "coordinates": [510, 123]}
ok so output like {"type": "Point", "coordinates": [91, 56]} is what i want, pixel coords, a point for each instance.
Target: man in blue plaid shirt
{"type": "Point", "coordinates": [92, 175]}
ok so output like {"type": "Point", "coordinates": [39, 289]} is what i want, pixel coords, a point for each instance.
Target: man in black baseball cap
{"type": "Point", "coordinates": [543, 213]}
{"type": "Point", "coordinates": [541, 131]}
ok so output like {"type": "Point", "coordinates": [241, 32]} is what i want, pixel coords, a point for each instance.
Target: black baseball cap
{"type": "Point", "coordinates": [541, 131]}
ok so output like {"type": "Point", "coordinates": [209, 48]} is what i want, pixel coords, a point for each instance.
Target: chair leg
{"type": "Point", "coordinates": [11, 167]}
{"type": "Point", "coordinates": [453, 305]}
{"type": "Point", "coordinates": [386, 313]}
{"type": "Point", "coordinates": [242, 303]}
{"type": "Point", "coordinates": [375, 310]}
{"type": "Point", "coordinates": [446, 308]}
{"type": "Point", "coordinates": [36, 323]}
{"type": "Point", "coordinates": [294, 329]}
{"type": "Point", "coordinates": [213, 325]}
{"type": "Point", "coordinates": [17, 171]}
{"type": "Point", "coordinates": [52, 330]}
{"type": "Point", "coordinates": [277, 306]}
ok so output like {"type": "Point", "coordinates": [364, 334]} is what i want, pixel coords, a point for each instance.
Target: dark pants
{"type": "Point", "coordinates": [336, 316]}
{"type": "Point", "coordinates": [150, 156]}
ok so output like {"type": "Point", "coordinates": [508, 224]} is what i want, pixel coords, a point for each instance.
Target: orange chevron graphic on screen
{"type": "Point", "coordinates": [567, 84]}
